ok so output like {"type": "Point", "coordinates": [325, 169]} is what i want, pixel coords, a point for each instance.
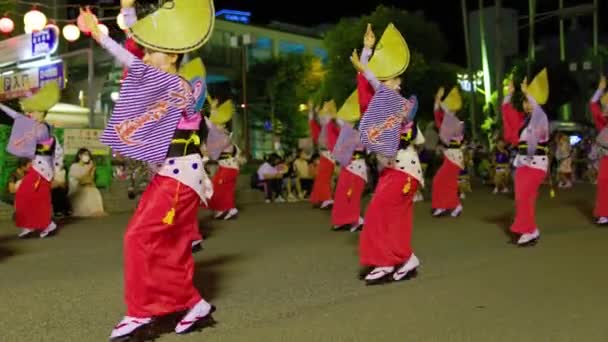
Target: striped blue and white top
{"type": "Point", "coordinates": [146, 115]}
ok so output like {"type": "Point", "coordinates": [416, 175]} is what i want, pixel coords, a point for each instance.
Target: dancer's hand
{"type": "Point", "coordinates": [511, 87]}
{"type": "Point", "coordinates": [370, 38]}
{"type": "Point", "coordinates": [439, 95]}
{"type": "Point", "coordinates": [524, 86]}
{"type": "Point", "coordinates": [354, 58]}
{"type": "Point", "coordinates": [90, 22]}
{"type": "Point", "coordinates": [602, 85]}
{"type": "Point", "coordinates": [127, 3]}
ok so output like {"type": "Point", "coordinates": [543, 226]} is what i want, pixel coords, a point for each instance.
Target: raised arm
{"type": "Point", "coordinates": [9, 111]}
{"type": "Point", "coordinates": [438, 109]}
{"type": "Point", "coordinates": [599, 118]}
{"type": "Point", "coordinates": [126, 58]}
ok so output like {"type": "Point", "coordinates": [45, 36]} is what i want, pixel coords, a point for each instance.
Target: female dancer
{"type": "Point", "coordinates": [329, 131]}
{"type": "Point", "coordinates": [155, 120]}
{"type": "Point", "coordinates": [531, 160]}
{"type": "Point", "coordinates": [31, 138]}
{"type": "Point", "coordinates": [387, 129]}
{"type": "Point", "coordinates": [451, 132]}
{"type": "Point", "coordinates": [599, 108]}
{"type": "Point", "coordinates": [225, 179]}
{"type": "Point", "coordinates": [350, 153]}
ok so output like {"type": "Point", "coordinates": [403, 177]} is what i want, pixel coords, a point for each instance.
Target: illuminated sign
{"type": "Point", "coordinates": [28, 46]}
{"type": "Point", "coordinates": [20, 84]}
{"type": "Point", "coordinates": [235, 16]}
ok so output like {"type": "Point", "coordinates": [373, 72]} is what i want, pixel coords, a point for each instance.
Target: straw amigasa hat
{"type": "Point", "coordinates": [350, 110]}
{"type": "Point", "coordinates": [43, 100]}
{"type": "Point", "coordinates": [539, 87]}
{"type": "Point", "coordinates": [329, 109]}
{"type": "Point", "coordinates": [391, 55]}
{"type": "Point", "coordinates": [177, 26]}
{"type": "Point", "coordinates": [222, 114]}
{"type": "Point", "coordinates": [194, 72]}
{"type": "Point", "coordinates": [453, 102]}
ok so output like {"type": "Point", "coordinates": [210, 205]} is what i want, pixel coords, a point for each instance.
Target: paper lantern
{"type": "Point", "coordinates": [6, 25]}
{"type": "Point", "coordinates": [71, 32]}
{"type": "Point", "coordinates": [81, 24]}
{"type": "Point", "coordinates": [103, 28]}
{"type": "Point", "coordinates": [120, 20]}
{"type": "Point", "coordinates": [35, 20]}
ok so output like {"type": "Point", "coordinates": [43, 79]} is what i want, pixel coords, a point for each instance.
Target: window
{"type": "Point", "coordinates": [287, 48]}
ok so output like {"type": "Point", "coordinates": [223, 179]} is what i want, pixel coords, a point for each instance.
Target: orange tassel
{"type": "Point", "coordinates": [169, 217]}
{"type": "Point", "coordinates": [407, 186]}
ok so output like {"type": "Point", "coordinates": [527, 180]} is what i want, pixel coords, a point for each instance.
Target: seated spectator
{"type": "Point", "coordinates": [84, 195]}
{"type": "Point", "coordinates": [304, 178]}
{"type": "Point", "coordinates": [59, 194]}
{"type": "Point", "coordinates": [15, 178]}
{"type": "Point", "coordinates": [271, 178]}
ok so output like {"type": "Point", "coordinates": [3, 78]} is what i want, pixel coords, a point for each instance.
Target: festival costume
{"type": "Point", "coordinates": [350, 153]}
{"type": "Point", "coordinates": [451, 132]}
{"type": "Point", "coordinates": [329, 132]}
{"type": "Point", "coordinates": [225, 179]}
{"type": "Point", "coordinates": [156, 121]}
{"type": "Point", "coordinates": [501, 171]}
{"type": "Point", "coordinates": [33, 140]}
{"type": "Point", "coordinates": [387, 128]}
{"type": "Point", "coordinates": [531, 161]}
{"type": "Point", "coordinates": [600, 118]}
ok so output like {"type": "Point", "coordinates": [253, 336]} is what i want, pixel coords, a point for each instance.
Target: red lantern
{"type": "Point", "coordinates": [6, 25]}
{"type": "Point", "coordinates": [81, 25]}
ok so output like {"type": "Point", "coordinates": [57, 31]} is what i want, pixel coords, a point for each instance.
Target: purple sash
{"type": "Point", "coordinates": [346, 144]}
{"type": "Point", "coordinates": [217, 141]}
{"type": "Point", "coordinates": [24, 136]}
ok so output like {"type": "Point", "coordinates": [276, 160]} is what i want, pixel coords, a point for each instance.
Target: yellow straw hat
{"type": "Point", "coordinates": [178, 26]}
{"type": "Point", "coordinates": [223, 113]}
{"type": "Point", "coordinates": [350, 110]}
{"type": "Point", "coordinates": [391, 56]}
{"type": "Point", "coordinates": [329, 109]}
{"type": "Point", "coordinates": [193, 69]}
{"type": "Point", "coordinates": [43, 100]}
{"type": "Point", "coordinates": [604, 99]}
{"type": "Point", "coordinates": [453, 102]}
{"type": "Point", "coordinates": [539, 87]}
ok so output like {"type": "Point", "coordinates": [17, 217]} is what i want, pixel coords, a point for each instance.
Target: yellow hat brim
{"type": "Point", "coordinates": [350, 110]}
{"type": "Point", "coordinates": [604, 99]}
{"type": "Point", "coordinates": [43, 100]}
{"type": "Point", "coordinates": [329, 109]}
{"type": "Point", "coordinates": [179, 26]}
{"type": "Point", "coordinates": [453, 102]}
{"type": "Point", "coordinates": [539, 87]}
{"type": "Point", "coordinates": [193, 69]}
{"type": "Point", "coordinates": [391, 56]}
{"type": "Point", "coordinates": [223, 114]}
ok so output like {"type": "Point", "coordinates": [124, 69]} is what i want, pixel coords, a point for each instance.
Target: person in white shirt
{"type": "Point", "coordinates": [272, 178]}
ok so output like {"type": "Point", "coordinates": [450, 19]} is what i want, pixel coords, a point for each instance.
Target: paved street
{"type": "Point", "coordinates": [279, 274]}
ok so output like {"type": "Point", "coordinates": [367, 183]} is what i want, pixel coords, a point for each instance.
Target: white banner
{"type": "Point", "coordinates": [22, 83]}
{"type": "Point", "coordinates": [74, 139]}
{"type": "Point", "coordinates": [28, 46]}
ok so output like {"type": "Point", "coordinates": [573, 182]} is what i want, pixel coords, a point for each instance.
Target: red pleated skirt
{"type": "Point", "coordinates": [159, 266]}
{"type": "Point", "coordinates": [387, 233]}
{"type": "Point", "coordinates": [33, 208]}
{"type": "Point", "coordinates": [321, 189]}
{"type": "Point", "coordinates": [347, 199]}
{"type": "Point", "coordinates": [445, 186]}
{"type": "Point", "coordinates": [527, 182]}
{"type": "Point", "coordinates": [224, 186]}
{"type": "Point", "coordinates": [601, 197]}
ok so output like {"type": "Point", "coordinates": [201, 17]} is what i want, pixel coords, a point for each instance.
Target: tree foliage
{"type": "Point", "coordinates": [279, 86]}
{"type": "Point", "coordinates": [427, 47]}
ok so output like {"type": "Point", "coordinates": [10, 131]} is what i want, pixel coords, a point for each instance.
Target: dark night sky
{"type": "Point", "coordinates": [446, 13]}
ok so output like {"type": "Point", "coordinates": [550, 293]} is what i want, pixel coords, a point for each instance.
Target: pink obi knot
{"type": "Point", "coordinates": [190, 124]}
